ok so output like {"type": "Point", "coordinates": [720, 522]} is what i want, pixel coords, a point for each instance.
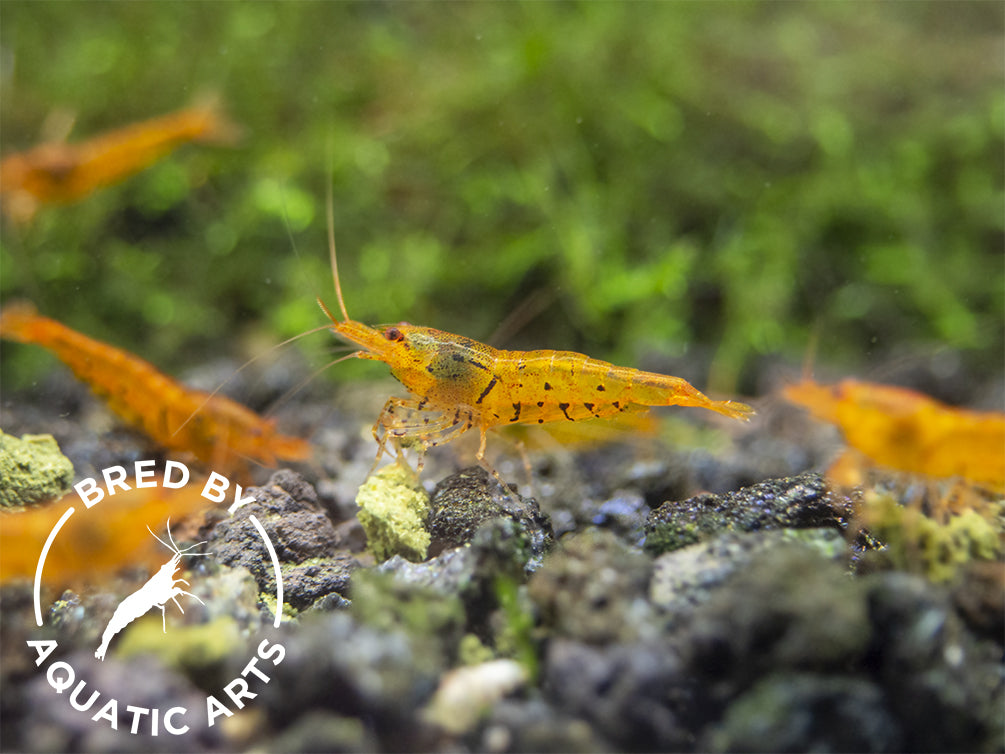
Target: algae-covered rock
{"type": "Point", "coordinates": [318, 730]}
{"type": "Point", "coordinates": [32, 470]}
{"type": "Point", "coordinates": [790, 607]}
{"type": "Point", "coordinates": [805, 712]}
{"type": "Point", "coordinates": [464, 501]}
{"type": "Point", "coordinates": [312, 566]}
{"type": "Point", "coordinates": [485, 575]}
{"type": "Point", "coordinates": [915, 542]}
{"type": "Point", "coordinates": [799, 502]}
{"type": "Point", "coordinates": [430, 618]}
{"type": "Point", "coordinates": [193, 649]}
{"type": "Point", "coordinates": [593, 588]}
{"type": "Point", "coordinates": [393, 512]}
{"type": "Point", "coordinates": [688, 577]}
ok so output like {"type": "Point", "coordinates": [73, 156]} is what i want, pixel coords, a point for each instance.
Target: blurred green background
{"type": "Point", "coordinates": [635, 181]}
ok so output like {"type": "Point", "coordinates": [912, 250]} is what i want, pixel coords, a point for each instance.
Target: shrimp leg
{"type": "Point", "coordinates": [407, 422]}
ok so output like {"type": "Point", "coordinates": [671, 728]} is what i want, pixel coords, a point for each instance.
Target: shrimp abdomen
{"type": "Point", "coordinates": [546, 386]}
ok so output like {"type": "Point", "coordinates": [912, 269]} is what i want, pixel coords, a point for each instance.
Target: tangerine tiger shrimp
{"type": "Point", "coordinates": [60, 173]}
{"type": "Point", "coordinates": [909, 431]}
{"type": "Point", "coordinates": [212, 427]}
{"type": "Point", "coordinates": [458, 384]}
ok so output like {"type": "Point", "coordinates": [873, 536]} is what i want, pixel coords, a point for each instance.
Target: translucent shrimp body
{"type": "Point", "coordinates": [498, 387]}
{"type": "Point", "coordinates": [57, 172]}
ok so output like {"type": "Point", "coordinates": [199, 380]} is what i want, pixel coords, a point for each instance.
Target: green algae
{"type": "Point", "coordinates": [432, 620]}
{"type": "Point", "coordinates": [32, 470]}
{"type": "Point", "coordinates": [471, 651]}
{"type": "Point", "coordinates": [393, 512]}
{"type": "Point", "coordinates": [514, 633]}
{"type": "Point", "coordinates": [917, 543]}
{"type": "Point", "coordinates": [193, 648]}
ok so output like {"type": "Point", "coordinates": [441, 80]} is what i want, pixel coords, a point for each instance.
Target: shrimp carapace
{"type": "Point", "coordinates": [213, 428]}
{"type": "Point", "coordinates": [910, 431]}
{"type": "Point", "coordinates": [57, 172]}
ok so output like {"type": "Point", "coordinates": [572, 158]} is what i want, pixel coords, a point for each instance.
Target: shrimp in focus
{"type": "Point", "coordinates": [460, 384]}
{"type": "Point", "coordinates": [909, 431]}
{"type": "Point", "coordinates": [56, 172]}
{"type": "Point", "coordinates": [213, 428]}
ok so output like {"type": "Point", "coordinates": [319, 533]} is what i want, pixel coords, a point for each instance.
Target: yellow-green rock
{"type": "Point", "coordinates": [914, 541]}
{"type": "Point", "coordinates": [393, 512]}
{"type": "Point", "coordinates": [193, 647]}
{"type": "Point", "coordinates": [471, 651]}
{"type": "Point", "coordinates": [32, 470]}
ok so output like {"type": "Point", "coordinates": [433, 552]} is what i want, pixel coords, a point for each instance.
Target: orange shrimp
{"type": "Point", "coordinates": [213, 428]}
{"type": "Point", "coordinates": [93, 546]}
{"type": "Point", "coordinates": [909, 431]}
{"type": "Point", "coordinates": [56, 172]}
{"type": "Point", "coordinates": [460, 384]}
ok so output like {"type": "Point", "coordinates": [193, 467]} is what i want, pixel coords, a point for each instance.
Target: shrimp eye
{"type": "Point", "coordinates": [393, 333]}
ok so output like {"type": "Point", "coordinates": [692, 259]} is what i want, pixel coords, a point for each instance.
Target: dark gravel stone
{"type": "Point", "coordinates": [464, 501]}
{"type": "Point", "coordinates": [799, 502]}
{"type": "Point", "coordinates": [336, 666]}
{"type": "Point", "coordinates": [594, 588]}
{"type": "Point", "coordinates": [304, 538]}
{"type": "Point", "coordinates": [790, 608]}
{"type": "Point", "coordinates": [793, 712]}
{"type": "Point", "coordinates": [634, 694]}
{"type": "Point", "coordinates": [946, 686]}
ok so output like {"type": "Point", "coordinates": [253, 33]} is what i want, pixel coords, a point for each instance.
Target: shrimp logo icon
{"type": "Point", "coordinates": [156, 592]}
{"type": "Point", "coordinates": [128, 710]}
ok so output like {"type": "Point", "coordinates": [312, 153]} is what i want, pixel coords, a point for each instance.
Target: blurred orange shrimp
{"type": "Point", "coordinates": [213, 428]}
{"type": "Point", "coordinates": [57, 172]}
{"type": "Point", "coordinates": [459, 384]}
{"type": "Point", "coordinates": [909, 431]}
{"type": "Point", "coordinates": [93, 547]}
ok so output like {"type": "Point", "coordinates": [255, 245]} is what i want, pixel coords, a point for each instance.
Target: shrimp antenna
{"type": "Point", "coordinates": [310, 378]}
{"type": "Point", "coordinates": [172, 547]}
{"type": "Point", "coordinates": [178, 549]}
{"type": "Point", "coordinates": [330, 212]}
{"type": "Point", "coordinates": [330, 221]}
{"type": "Point", "coordinates": [241, 368]}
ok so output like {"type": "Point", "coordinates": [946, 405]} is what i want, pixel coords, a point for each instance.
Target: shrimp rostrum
{"type": "Point", "coordinates": [458, 384]}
